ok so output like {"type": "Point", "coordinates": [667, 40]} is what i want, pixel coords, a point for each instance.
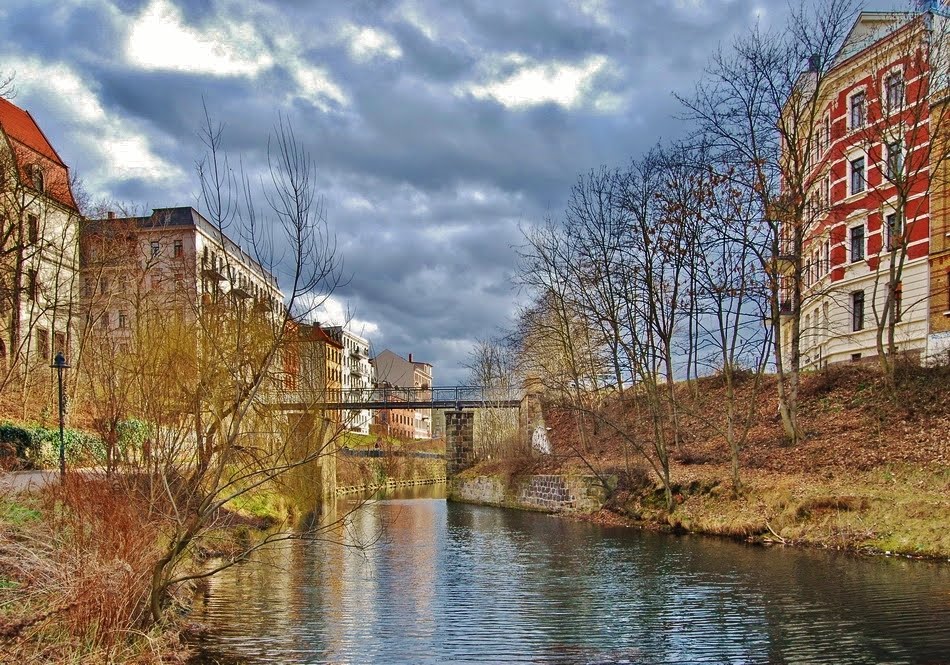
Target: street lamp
{"type": "Point", "coordinates": [60, 364]}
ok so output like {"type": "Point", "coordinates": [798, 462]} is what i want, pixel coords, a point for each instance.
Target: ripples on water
{"type": "Point", "coordinates": [450, 583]}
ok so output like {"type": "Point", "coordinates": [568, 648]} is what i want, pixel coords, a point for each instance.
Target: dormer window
{"type": "Point", "coordinates": [36, 174]}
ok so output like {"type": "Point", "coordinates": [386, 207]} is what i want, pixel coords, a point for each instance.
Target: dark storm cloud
{"type": "Point", "coordinates": [427, 163]}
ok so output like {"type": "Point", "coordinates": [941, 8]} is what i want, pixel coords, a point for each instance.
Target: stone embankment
{"type": "Point", "coordinates": [388, 484]}
{"type": "Point", "coordinates": [545, 493]}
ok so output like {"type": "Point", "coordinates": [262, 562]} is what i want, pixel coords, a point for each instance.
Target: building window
{"type": "Point", "coordinates": [123, 320]}
{"type": "Point", "coordinates": [894, 230]}
{"type": "Point", "coordinates": [857, 243]}
{"type": "Point", "coordinates": [827, 132]}
{"type": "Point", "coordinates": [103, 285]}
{"type": "Point", "coordinates": [179, 282]}
{"type": "Point", "coordinates": [857, 311]}
{"type": "Point", "coordinates": [59, 342]}
{"type": "Point", "coordinates": [825, 188]}
{"type": "Point", "coordinates": [156, 248]}
{"type": "Point", "coordinates": [155, 282]}
{"type": "Point", "coordinates": [895, 159]}
{"type": "Point", "coordinates": [33, 223]}
{"type": "Point", "coordinates": [32, 285]}
{"type": "Point", "coordinates": [857, 175]}
{"type": "Point", "coordinates": [826, 258]}
{"type": "Point", "coordinates": [104, 321]}
{"type": "Point", "coordinates": [856, 115]}
{"type": "Point", "coordinates": [894, 91]}
{"type": "Point", "coordinates": [179, 249]}
{"type": "Point", "coordinates": [42, 343]}
{"type": "Point", "coordinates": [898, 301]}
{"type": "Point", "coordinates": [39, 183]}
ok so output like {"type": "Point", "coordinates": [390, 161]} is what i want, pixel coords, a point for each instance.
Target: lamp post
{"type": "Point", "coordinates": [60, 364]}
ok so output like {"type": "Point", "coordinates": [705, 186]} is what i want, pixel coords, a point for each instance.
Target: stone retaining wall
{"type": "Point", "coordinates": [547, 493]}
{"type": "Point", "coordinates": [389, 484]}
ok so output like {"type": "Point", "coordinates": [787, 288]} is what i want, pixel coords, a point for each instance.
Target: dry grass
{"type": "Point", "coordinates": [873, 472]}
{"type": "Point", "coordinates": [77, 578]}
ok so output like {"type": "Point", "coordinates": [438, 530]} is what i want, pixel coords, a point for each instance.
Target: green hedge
{"type": "Point", "coordinates": [38, 447]}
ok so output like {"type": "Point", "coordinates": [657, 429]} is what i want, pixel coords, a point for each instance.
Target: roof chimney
{"type": "Point", "coordinates": [410, 357]}
{"type": "Point", "coordinates": [814, 62]}
{"type": "Point", "coordinates": [110, 215]}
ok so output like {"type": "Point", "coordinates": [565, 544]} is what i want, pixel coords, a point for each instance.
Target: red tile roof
{"type": "Point", "coordinates": [26, 137]}
{"type": "Point", "coordinates": [20, 125]}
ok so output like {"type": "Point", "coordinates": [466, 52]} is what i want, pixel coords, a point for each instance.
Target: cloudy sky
{"type": "Point", "coordinates": [438, 128]}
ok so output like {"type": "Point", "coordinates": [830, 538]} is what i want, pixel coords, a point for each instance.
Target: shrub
{"type": "Point", "coordinates": [18, 436]}
{"type": "Point", "coordinates": [37, 446]}
{"type": "Point", "coordinates": [132, 435]}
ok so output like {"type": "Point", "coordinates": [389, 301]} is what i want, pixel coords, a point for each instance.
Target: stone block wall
{"type": "Point", "coordinates": [487, 490]}
{"type": "Point", "coordinates": [547, 493]}
{"type": "Point", "coordinates": [459, 441]}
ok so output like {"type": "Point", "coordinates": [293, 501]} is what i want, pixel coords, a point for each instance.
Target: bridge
{"type": "Point", "coordinates": [455, 398]}
{"type": "Point", "coordinates": [458, 403]}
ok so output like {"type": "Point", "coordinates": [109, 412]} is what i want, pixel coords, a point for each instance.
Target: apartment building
{"type": "Point", "coordinates": [314, 366]}
{"type": "Point", "coordinates": [169, 264]}
{"type": "Point", "coordinates": [39, 227]}
{"type": "Point", "coordinates": [357, 375]}
{"type": "Point", "coordinates": [396, 371]}
{"type": "Point", "coordinates": [874, 244]}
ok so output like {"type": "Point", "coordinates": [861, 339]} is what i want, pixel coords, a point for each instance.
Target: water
{"type": "Point", "coordinates": [450, 583]}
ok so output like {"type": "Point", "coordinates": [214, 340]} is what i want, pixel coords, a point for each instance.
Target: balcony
{"type": "Point", "coordinates": [239, 292]}
{"type": "Point", "coordinates": [212, 273]}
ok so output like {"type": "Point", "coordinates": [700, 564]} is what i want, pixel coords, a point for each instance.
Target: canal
{"type": "Point", "coordinates": [417, 580]}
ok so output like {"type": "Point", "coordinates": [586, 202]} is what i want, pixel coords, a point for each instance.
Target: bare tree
{"type": "Point", "coordinates": [733, 296]}
{"type": "Point", "coordinates": [493, 365]}
{"type": "Point", "coordinates": [7, 87]}
{"type": "Point", "coordinates": [759, 111]}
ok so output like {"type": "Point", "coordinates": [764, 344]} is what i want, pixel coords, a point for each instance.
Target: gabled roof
{"type": "Point", "coordinates": [30, 146]}
{"type": "Point", "coordinates": [313, 332]}
{"type": "Point", "coordinates": [868, 28]}
{"type": "Point", "coordinates": [20, 125]}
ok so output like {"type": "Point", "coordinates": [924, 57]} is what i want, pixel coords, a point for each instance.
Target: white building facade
{"type": "Point", "coordinates": [358, 376]}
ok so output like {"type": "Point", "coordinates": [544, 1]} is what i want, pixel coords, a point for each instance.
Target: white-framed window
{"type": "Point", "coordinates": [894, 91]}
{"type": "Point", "coordinates": [856, 242]}
{"type": "Point", "coordinates": [857, 109]}
{"type": "Point", "coordinates": [857, 174]}
{"type": "Point", "coordinates": [893, 229]}
{"type": "Point", "coordinates": [826, 257]}
{"type": "Point", "coordinates": [827, 123]}
{"type": "Point", "coordinates": [156, 248]}
{"type": "Point", "coordinates": [825, 191]}
{"type": "Point", "coordinates": [857, 310]}
{"type": "Point", "coordinates": [894, 167]}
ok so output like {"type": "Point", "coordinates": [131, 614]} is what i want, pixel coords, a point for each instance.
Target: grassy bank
{"type": "Point", "coordinates": [75, 568]}
{"type": "Point", "coordinates": [872, 475]}
{"type": "Point", "coordinates": [902, 509]}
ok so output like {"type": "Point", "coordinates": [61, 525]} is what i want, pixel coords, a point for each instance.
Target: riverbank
{"type": "Point", "coordinates": [873, 474]}
{"type": "Point", "coordinates": [76, 559]}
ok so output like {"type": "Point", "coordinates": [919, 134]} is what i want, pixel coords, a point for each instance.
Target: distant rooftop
{"type": "Point", "coordinates": [188, 217]}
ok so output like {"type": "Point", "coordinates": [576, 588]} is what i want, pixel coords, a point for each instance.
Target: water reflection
{"type": "Point", "coordinates": [448, 583]}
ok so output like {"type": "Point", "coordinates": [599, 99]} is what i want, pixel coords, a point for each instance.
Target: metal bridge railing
{"type": "Point", "coordinates": [381, 397]}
